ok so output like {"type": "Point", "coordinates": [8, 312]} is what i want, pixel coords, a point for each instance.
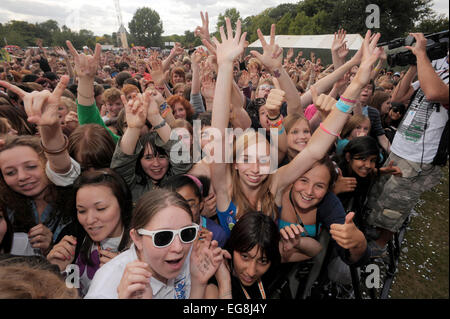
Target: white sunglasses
{"type": "Point", "coordinates": [164, 237]}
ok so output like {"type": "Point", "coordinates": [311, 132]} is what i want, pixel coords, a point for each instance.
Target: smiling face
{"type": "Point", "coordinates": [362, 166]}
{"type": "Point", "coordinates": [362, 129]}
{"type": "Point", "coordinates": [194, 202]}
{"type": "Point", "coordinates": [165, 263]}
{"type": "Point", "coordinates": [23, 171]}
{"type": "Point", "coordinates": [298, 136]}
{"type": "Point", "coordinates": [309, 190]}
{"type": "Point", "coordinates": [250, 266]}
{"type": "Point", "coordinates": [154, 165]}
{"type": "Point", "coordinates": [98, 211]}
{"type": "Point", "coordinates": [114, 108]}
{"type": "Point", "coordinates": [253, 164]}
{"type": "Point", "coordinates": [179, 112]}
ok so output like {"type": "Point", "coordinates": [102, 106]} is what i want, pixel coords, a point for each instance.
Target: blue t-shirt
{"type": "Point", "coordinates": [218, 233]}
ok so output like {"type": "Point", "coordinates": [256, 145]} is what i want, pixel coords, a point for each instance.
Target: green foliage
{"type": "Point", "coordinates": [435, 23]}
{"type": "Point", "coordinates": [146, 28]}
{"type": "Point", "coordinates": [231, 13]}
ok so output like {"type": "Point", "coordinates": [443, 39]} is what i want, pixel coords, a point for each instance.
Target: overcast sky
{"type": "Point", "coordinates": [100, 17]}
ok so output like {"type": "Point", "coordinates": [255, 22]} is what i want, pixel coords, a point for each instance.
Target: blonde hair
{"type": "Point", "coordinates": [265, 199]}
{"type": "Point", "coordinates": [69, 103]}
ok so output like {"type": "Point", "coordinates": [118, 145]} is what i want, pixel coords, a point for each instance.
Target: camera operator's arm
{"type": "Point", "coordinates": [404, 87]}
{"type": "Point", "coordinates": [434, 88]}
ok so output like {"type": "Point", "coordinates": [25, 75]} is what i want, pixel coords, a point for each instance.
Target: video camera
{"type": "Point", "coordinates": [437, 48]}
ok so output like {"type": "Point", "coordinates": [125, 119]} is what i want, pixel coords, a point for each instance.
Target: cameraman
{"type": "Point", "coordinates": [419, 148]}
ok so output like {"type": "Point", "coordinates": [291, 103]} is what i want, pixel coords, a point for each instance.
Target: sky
{"type": "Point", "coordinates": [100, 16]}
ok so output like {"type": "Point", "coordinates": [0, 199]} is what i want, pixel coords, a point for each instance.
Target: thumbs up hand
{"type": "Point", "coordinates": [391, 169]}
{"type": "Point", "coordinates": [347, 235]}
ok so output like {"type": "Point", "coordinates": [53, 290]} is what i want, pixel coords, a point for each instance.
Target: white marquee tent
{"type": "Point", "coordinates": [322, 41]}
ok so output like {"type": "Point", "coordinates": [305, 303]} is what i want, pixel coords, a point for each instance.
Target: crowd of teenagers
{"type": "Point", "coordinates": [98, 167]}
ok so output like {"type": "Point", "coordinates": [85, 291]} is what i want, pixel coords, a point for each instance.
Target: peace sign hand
{"type": "Point", "coordinates": [85, 65]}
{"type": "Point", "coordinates": [272, 56]}
{"type": "Point", "coordinates": [41, 107]}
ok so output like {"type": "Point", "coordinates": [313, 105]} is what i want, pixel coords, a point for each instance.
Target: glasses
{"type": "Point", "coordinates": [163, 238]}
{"type": "Point", "coordinates": [395, 110]}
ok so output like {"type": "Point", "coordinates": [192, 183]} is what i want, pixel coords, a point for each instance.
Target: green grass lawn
{"type": "Point", "coordinates": [424, 263]}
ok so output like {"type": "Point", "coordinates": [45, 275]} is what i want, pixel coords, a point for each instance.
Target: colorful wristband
{"type": "Point", "coordinates": [328, 132]}
{"type": "Point", "coordinates": [347, 100]}
{"type": "Point", "coordinates": [341, 106]}
{"type": "Point", "coordinates": [276, 124]}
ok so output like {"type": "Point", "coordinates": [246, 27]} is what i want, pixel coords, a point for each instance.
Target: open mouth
{"type": "Point", "coordinates": [175, 264]}
{"type": "Point", "coordinates": [28, 186]}
{"type": "Point", "coordinates": [306, 198]}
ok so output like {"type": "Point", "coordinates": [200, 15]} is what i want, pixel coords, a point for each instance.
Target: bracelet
{"type": "Point", "coordinates": [277, 124]}
{"type": "Point", "coordinates": [328, 132]}
{"type": "Point", "coordinates": [348, 100]}
{"type": "Point", "coordinates": [281, 130]}
{"type": "Point", "coordinates": [341, 106]}
{"type": "Point", "coordinates": [86, 97]}
{"type": "Point", "coordinates": [66, 144]}
{"type": "Point", "coordinates": [163, 122]}
{"type": "Point", "coordinates": [274, 119]}
{"type": "Point", "coordinates": [164, 109]}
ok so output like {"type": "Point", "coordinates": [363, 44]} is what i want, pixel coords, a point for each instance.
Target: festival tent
{"type": "Point", "coordinates": [322, 41]}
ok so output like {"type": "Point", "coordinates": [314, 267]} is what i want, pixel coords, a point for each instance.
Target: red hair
{"type": "Point", "coordinates": [174, 99]}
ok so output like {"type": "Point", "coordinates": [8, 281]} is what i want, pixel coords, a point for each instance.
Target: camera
{"type": "Point", "coordinates": [437, 48]}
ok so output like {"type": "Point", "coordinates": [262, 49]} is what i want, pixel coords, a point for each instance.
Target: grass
{"type": "Point", "coordinates": [424, 263]}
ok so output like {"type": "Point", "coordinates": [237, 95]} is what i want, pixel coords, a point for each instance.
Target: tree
{"type": "Point", "coordinates": [433, 24]}
{"type": "Point", "coordinates": [234, 16]}
{"type": "Point", "coordinates": [146, 28]}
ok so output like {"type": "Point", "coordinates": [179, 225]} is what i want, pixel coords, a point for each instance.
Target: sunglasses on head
{"type": "Point", "coordinates": [163, 238]}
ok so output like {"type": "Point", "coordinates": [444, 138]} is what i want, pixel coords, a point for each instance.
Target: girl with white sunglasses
{"type": "Point", "coordinates": [167, 260]}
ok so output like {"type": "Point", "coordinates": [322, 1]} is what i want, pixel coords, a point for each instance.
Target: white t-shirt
{"type": "Point", "coordinates": [417, 138]}
{"type": "Point", "coordinates": [107, 279]}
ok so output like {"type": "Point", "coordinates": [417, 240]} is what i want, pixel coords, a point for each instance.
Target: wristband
{"type": "Point", "coordinates": [62, 149]}
{"type": "Point", "coordinates": [163, 122]}
{"type": "Point", "coordinates": [274, 119]}
{"type": "Point", "coordinates": [341, 106]}
{"type": "Point", "coordinates": [277, 124]}
{"type": "Point", "coordinates": [348, 100]}
{"type": "Point", "coordinates": [328, 132]}
{"type": "Point", "coordinates": [164, 109]}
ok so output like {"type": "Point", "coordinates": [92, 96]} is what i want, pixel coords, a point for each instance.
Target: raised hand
{"type": "Point", "coordinates": [62, 254]}
{"type": "Point", "coordinates": [338, 40]}
{"type": "Point", "coordinates": [203, 31]}
{"type": "Point", "coordinates": [60, 51]}
{"type": "Point", "coordinates": [135, 111]}
{"type": "Point", "coordinates": [290, 54]}
{"type": "Point", "coordinates": [41, 107]}
{"type": "Point", "coordinates": [274, 101]}
{"type": "Point", "coordinates": [272, 56]}
{"type": "Point", "coordinates": [206, 257]}
{"type": "Point", "coordinates": [421, 44]}
{"type": "Point", "coordinates": [40, 237]}
{"type": "Point", "coordinates": [231, 47]}
{"type": "Point", "coordinates": [370, 54]}
{"type": "Point", "coordinates": [85, 65]}
{"type": "Point", "coordinates": [291, 236]}
{"type": "Point", "coordinates": [157, 72]}
{"type": "Point", "coordinates": [135, 282]}
{"type": "Point", "coordinates": [347, 235]}
{"type": "Point", "coordinates": [244, 79]}
{"type": "Point", "coordinates": [323, 103]}
{"type": "Point", "coordinates": [177, 49]}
